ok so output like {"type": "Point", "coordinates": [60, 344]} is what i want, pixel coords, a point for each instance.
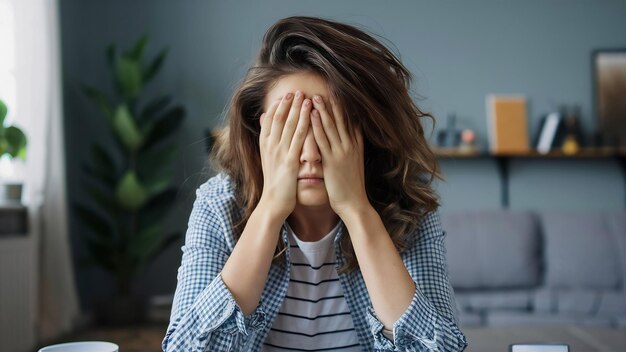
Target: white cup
{"type": "Point", "coordinates": [86, 346]}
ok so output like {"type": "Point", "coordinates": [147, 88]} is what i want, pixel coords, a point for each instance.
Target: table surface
{"type": "Point", "coordinates": [496, 339]}
{"type": "Point", "coordinates": [578, 338]}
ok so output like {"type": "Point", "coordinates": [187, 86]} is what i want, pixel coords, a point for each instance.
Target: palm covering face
{"type": "Point", "coordinates": [284, 128]}
{"type": "Point", "coordinates": [342, 158]}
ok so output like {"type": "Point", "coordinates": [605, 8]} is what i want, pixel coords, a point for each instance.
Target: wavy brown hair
{"type": "Point", "coordinates": [372, 87]}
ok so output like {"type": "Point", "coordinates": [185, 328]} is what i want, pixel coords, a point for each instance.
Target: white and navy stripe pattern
{"type": "Point", "coordinates": [314, 315]}
{"type": "Point", "coordinates": [205, 316]}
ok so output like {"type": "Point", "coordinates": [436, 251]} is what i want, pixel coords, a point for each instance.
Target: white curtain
{"type": "Point", "coordinates": [39, 102]}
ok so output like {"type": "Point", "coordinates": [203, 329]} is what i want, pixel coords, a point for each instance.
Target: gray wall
{"type": "Point", "coordinates": [458, 51]}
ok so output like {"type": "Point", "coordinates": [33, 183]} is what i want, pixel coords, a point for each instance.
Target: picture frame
{"type": "Point", "coordinates": [608, 67]}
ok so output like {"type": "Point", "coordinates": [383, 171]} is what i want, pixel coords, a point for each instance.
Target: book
{"type": "Point", "coordinates": [548, 132]}
{"type": "Point", "coordinates": [507, 124]}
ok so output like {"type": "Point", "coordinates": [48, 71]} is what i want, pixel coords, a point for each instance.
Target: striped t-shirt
{"type": "Point", "coordinates": [314, 315]}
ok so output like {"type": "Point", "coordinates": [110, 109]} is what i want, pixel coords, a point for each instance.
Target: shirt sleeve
{"type": "Point", "coordinates": [429, 323]}
{"type": "Point", "coordinates": [205, 316]}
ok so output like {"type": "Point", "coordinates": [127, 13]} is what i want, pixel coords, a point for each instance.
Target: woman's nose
{"type": "Point", "coordinates": [310, 151]}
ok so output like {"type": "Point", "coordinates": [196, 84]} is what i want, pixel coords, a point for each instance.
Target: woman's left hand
{"type": "Point", "coordinates": [342, 158]}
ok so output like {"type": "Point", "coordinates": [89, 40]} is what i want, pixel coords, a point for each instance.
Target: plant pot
{"type": "Point", "coordinates": [10, 193]}
{"type": "Point", "coordinates": [120, 311]}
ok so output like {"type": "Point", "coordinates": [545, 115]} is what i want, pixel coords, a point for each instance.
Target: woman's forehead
{"type": "Point", "coordinates": [308, 83]}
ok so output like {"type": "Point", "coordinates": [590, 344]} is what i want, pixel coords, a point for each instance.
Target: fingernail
{"type": "Point", "coordinates": [318, 98]}
{"type": "Point", "coordinates": [307, 103]}
{"type": "Point", "coordinates": [288, 96]}
{"type": "Point", "coordinates": [298, 94]}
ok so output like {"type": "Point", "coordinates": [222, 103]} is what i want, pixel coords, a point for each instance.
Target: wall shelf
{"type": "Point", "coordinates": [502, 161]}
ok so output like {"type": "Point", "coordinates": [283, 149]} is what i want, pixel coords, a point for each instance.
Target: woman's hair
{"type": "Point", "coordinates": [372, 87]}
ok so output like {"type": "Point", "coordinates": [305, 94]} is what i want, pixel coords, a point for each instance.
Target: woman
{"type": "Point", "coordinates": [321, 232]}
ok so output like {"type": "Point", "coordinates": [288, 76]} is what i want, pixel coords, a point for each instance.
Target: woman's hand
{"type": "Point", "coordinates": [342, 158]}
{"type": "Point", "coordinates": [283, 130]}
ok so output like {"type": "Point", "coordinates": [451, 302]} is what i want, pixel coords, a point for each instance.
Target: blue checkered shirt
{"type": "Point", "coordinates": [205, 316]}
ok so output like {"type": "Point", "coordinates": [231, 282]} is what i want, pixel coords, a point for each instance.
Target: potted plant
{"type": "Point", "coordinates": [12, 146]}
{"type": "Point", "coordinates": [129, 181]}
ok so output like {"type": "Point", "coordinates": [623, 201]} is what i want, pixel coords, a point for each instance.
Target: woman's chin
{"type": "Point", "coordinates": [312, 198]}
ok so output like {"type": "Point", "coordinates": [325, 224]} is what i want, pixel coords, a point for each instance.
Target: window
{"type": "Point", "coordinates": [7, 72]}
{"type": "Point", "coordinates": [7, 56]}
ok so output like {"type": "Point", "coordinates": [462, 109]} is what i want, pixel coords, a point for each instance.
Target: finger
{"type": "Point", "coordinates": [266, 123]}
{"type": "Point", "coordinates": [359, 138]}
{"type": "Point", "coordinates": [339, 121]}
{"type": "Point", "coordinates": [327, 121]}
{"type": "Point", "coordinates": [320, 134]}
{"type": "Point", "coordinates": [292, 119]}
{"type": "Point", "coordinates": [279, 118]}
{"type": "Point", "coordinates": [302, 130]}
{"type": "Point", "coordinates": [261, 118]}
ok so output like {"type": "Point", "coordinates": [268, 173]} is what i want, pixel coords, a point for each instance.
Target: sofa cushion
{"type": "Point", "coordinates": [612, 303]}
{"type": "Point", "coordinates": [501, 318]}
{"type": "Point", "coordinates": [500, 300]}
{"type": "Point", "coordinates": [580, 251]}
{"type": "Point", "coordinates": [620, 321]}
{"type": "Point", "coordinates": [492, 249]}
{"type": "Point", "coordinates": [616, 222]}
{"type": "Point", "coordinates": [582, 302]}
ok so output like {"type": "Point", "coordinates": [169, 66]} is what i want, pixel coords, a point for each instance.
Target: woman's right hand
{"type": "Point", "coordinates": [284, 128]}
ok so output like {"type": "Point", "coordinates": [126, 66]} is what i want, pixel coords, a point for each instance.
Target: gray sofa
{"type": "Point", "coordinates": [514, 267]}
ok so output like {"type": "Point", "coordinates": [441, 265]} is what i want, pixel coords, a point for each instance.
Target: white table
{"type": "Point", "coordinates": [580, 339]}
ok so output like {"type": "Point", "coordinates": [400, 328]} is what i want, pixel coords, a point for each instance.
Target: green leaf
{"type": "Point", "coordinates": [130, 193]}
{"type": "Point", "coordinates": [103, 161]}
{"type": "Point", "coordinates": [95, 222]}
{"type": "Point", "coordinates": [154, 66]}
{"type": "Point", "coordinates": [146, 119]}
{"type": "Point", "coordinates": [156, 248]}
{"type": "Point", "coordinates": [16, 140]}
{"type": "Point", "coordinates": [3, 112]}
{"type": "Point", "coordinates": [103, 254]}
{"type": "Point", "coordinates": [157, 206]}
{"type": "Point", "coordinates": [138, 49]}
{"type": "Point", "coordinates": [103, 200]}
{"type": "Point", "coordinates": [100, 99]}
{"type": "Point", "coordinates": [22, 153]}
{"type": "Point", "coordinates": [128, 77]}
{"type": "Point", "coordinates": [154, 107]}
{"type": "Point", "coordinates": [125, 128]}
{"type": "Point", "coordinates": [157, 163]}
{"type": "Point", "coordinates": [158, 183]}
{"type": "Point", "coordinates": [166, 126]}
{"type": "Point", "coordinates": [143, 241]}
{"type": "Point", "coordinates": [106, 178]}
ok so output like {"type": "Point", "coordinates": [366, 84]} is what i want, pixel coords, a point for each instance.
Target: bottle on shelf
{"type": "Point", "coordinates": [572, 136]}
